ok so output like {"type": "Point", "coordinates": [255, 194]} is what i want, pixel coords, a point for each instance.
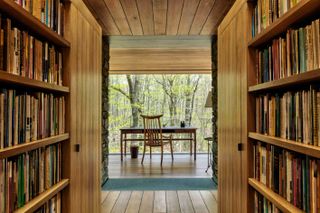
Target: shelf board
{"type": "Point", "coordinates": [273, 197]}
{"type": "Point", "coordinates": [23, 81]}
{"type": "Point", "coordinates": [310, 150]}
{"type": "Point", "coordinates": [305, 77]}
{"type": "Point", "coordinates": [298, 12]}
{"type": "Point", "coordinates": [21, 148]}
{"type": "Point", "coordinates": [18, 13]}
{"type": "Point", "coordinates": [41, 199]}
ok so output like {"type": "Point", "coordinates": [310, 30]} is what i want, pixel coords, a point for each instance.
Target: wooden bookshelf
{"type": "Point", "coordinates": [302, 10]}
{"type": "Point", "coordinates": [12, 79]}
{"type": "Point", "coordinates": [41, 199]}
{"type": "Point", "coordinates": [310, 150]}
{"type": "Point", "coordinates": [32, 23]}
{"type": "Point", "coordinates": [276, 199]}
{"type": "Point", "coordinates": [306, 77]}
{"type": "Point", "coordinates": [21, 148]}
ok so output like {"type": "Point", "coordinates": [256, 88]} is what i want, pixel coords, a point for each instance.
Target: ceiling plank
{"type": "Point", "coordinates": [131, 11]}
{"type": "Point", "coordinates": [101, 11]}
{"type": "Point", "coordinates": [174, 16]}
{"type": "Point", "coordinates": [201, 16]}
{"type": "Point", "coordinates": [188, 13]}
{"type": "Point", "coordinates": [146, 16]}
{"type": "Point", "coordinates": [216, 15]}
{"type": "Point", "coordinates": [119, 17]}
{"type": "Point", "coordinates": [160, 16]}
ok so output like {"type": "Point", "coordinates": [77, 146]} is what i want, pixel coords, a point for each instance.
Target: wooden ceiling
{"type": "Point", "coordinates": [159, 17]}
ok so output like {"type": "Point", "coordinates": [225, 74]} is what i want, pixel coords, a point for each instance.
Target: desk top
{"type": "Point", "coordinates": [163, 128]}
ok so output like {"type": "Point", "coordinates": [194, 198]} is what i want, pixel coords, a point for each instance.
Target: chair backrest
{"type": "Point", "coordinates": [152, 130]}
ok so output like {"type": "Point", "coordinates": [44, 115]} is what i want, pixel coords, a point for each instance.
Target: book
{"type": "Point", "coordinates": [25, 55]}
{"type": "Point", "coordinates": [29, 116]}
{"type": "Point", "coordinates": [295, 175]}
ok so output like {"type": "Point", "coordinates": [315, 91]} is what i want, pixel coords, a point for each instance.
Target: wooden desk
{"type": "Point", "coordinates": [192, 131]}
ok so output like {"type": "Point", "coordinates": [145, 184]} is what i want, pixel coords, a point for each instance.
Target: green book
{"type": "Point", "coordinates": [302, 50]}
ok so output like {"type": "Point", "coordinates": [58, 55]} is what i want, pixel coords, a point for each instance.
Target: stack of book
{"type": "Point", "coordinates": [294, 176]}
{"type": "Point", "coordinates": [26, 117]}
{"type": "Point", "coordinates": [52, 206]}
{"type": "Point", "coordinates": [49, 12]}
{"type": "Point", "coordinates": [23, 54]}
{"type": "Point", "coordinates": [293, 115]}
{"type": "Point", "coordinates": [261, 204]}
{"type": "Point", "coordinates": [296, 52]}
{"type": "Point", "coordinates": [25, 176]}
{"type": "Point", "coordinates": [267, 11]}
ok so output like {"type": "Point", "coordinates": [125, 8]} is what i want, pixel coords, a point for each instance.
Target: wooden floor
{"type": "Point", "coordinates": [159, 201]}
{"type": "Point", "coordinates": [183, 166]}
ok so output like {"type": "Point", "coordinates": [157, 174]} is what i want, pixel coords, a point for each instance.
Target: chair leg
{"type": "Point", "coordinates": [125, 148]}
{"type": "Point", "coordinates": [161, 154]}
{"type": "Point", "coordinates": [150, 152]}
{"type": "Point", "coordinates": [144, 151]}
{"type": "Point", "coordinates": [171, 150]}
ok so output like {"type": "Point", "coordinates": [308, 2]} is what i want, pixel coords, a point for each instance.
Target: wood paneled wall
{"type": "Point", "coordinates": [233, 123]}
{"type": "Point", "coordinates": [84, 63]}
{"type": "Point", "coordinates": [169, 54]}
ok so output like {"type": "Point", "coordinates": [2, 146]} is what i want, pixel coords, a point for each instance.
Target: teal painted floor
{"type": "Point", "coordinates": [142, 184]}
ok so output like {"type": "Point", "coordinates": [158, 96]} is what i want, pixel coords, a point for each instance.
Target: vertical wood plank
{"type": "Point", "coordinates": [185, 202]}
{"type": "Point", "coordinates": [198, 204]}
{"type": "Point", "coordinates": [188, 13]}
{"type": "Point", "coordinates": [173, 205]}
{"type": "Point", "coordinates": [122, 202]}
{"type": "Point", "coordinates": [134, 202]}
{"type": "Point", "coordinates": [205, 6]}
{"type": "Point", "coordinates": [133, 17]}
{"type": "Point", "coordinates": [174, 16]}
{"type": "Point", "coordinates": [146, 16]}
{"type": "Point", "coordinates": [160, 16]}
{"type": "Point", "coordinates": [209, 201]}
{"type": "Point", "coordinates": [147, 202]}
{"type": "Point", "coordinates": [159, 204]}
{"type": "Point", "coordinates": [109, 202]}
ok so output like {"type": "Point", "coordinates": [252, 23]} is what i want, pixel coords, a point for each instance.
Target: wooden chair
{"type": "Point", "coordinates": [153, 136]}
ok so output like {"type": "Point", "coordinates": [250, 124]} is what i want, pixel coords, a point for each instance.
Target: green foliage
{"type": "Point", "coordinates": [157, 94]}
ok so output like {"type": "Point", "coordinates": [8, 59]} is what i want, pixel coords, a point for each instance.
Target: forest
{"type": "Point", "coordinates": [178, 97]}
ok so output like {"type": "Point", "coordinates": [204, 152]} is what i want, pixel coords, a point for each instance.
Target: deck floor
{"type": "Point", "coordinates": [159, 201]}
{"type": "Point", "coordinates": [183, 166]}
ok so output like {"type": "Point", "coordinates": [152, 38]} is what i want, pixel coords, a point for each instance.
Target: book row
{"type": "Point", "coordinates": [263, 205]}
{"type": "Point", "coordinates": [24, 55]}
{"type": "Point", "coordinates": [296, 52]}
{"type": "Point", "coordinates": [52, 206]}
{"type": "Point", "coordinates": [293, 176]}
{"type": "Point", "coordinates": [49, 12]}
{"type": "Point", "coordinates": [266, 12]}
{"type": "Point", "coordinates": [293, 115]}
{"type": "Point", "coordinates": [26, 117]}
{"type": "Point", "coordinates": [25, 176]}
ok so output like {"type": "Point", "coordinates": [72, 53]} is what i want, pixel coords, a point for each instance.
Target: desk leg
{"type": "Point", "coordinates": [195, 145]}
{"type": "Point", "coordinates": [121, 146]}
{"type": "Point", "coordinates": [125, 144]}
{"type": "Point", "coordinates": [190, 136]}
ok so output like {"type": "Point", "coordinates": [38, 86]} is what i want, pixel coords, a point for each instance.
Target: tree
{"type": "Point", "coordinates": [134, 95]}
{"type": "Point", "coordinates": [190, 91]}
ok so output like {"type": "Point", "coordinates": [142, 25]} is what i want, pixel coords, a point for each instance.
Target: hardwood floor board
{"type": "Point", "coordinates": [215, 194]}
{"type": "Point", "coordinates": [122, 202]}
{"type": "Point", "coordinates": [172, 200]}
{"type": "Point", "coordinates": [104, 195]}
{"type": "Point", "coordinates": [185, 202]}
{"type": "Point", "coordinates": [198, 204]}
{"type": "Point", "coordinates": [109, 202]}
{"type": "Point", "coordinates": [159, 203]}
{"type": "Point", "coordinates": [147, 202]}
{"type": "Point", "coordinates": [134, 202]}
{"type": "Point", "coordinates": [182, 166]}
{"type": "Point", "coordinates": [209, 201]}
